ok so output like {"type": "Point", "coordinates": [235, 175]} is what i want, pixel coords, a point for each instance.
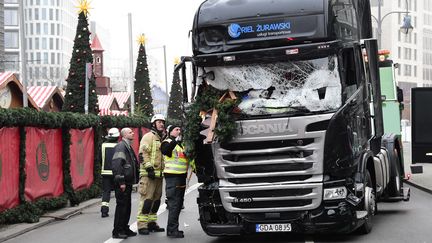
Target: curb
{"type": "Point", "coordinates": [15, 230]}
{"type": "Point", "coordinates": [418, 186]}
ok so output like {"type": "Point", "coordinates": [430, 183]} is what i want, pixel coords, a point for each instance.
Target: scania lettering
{"type": "Point", "coordinates": [310, 153]}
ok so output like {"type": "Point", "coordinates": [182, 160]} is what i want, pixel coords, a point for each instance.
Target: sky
{"type": "Point", "coordinates": [164, 22]}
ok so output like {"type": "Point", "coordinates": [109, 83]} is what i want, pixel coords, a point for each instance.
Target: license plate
{"type": "Point", "coordinates": [273, 228]}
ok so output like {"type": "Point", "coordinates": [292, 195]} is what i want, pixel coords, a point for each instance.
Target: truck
{"type": "Point", "coordinates": [286, 118]}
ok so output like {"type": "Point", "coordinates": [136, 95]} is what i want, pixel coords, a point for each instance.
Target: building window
{"type": "Point", "coordinates": [45, 28]}
{"type": "Point", "coordinates": [38, 58]}
{"type": "Point", "coordinates": [37, 43]}
{"type": "Point", "coordinates": [11, 62]}
{"type": "Point", "coordinates": [38, 28]}
{"type": "Point", "coordinates": [415, 71]}
{"type": "Point", "coordinates": [51, 14]}
{"type": "Point", "coordinates": [11, 39]}
{"type": "Point", "coordinates": [44, 44]}
{"type": "Point", "coordinates": [11, 17]}
{"type": "Point", "coordinates": [51, 44]}
{"type": "Point", "coordinates": [44, 14]}
{"type": "Point", "coordinates": [36, 13]}
{"type": "Point", "coordinates": [399, 52]}
{"type": "Point", "coordinates": [52, 29]}
{"type": "Point", "coordinates": [52, 61]}
{"type": "Point", "coordinates": [30, 43]}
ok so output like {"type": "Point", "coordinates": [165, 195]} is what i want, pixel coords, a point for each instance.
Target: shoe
{"type": "Point", "coordinates": [153, 227]}
{"type": "Point", "coordinates": [130, 233]}
{"type": "Point", "coordinates": [143, 231]}
{"type": "Point", "coordinates": [104, 215]}
{"type": "Point", "coordinates": [175, 234]}
{"type": "Point", "coordinates": [120, 236]}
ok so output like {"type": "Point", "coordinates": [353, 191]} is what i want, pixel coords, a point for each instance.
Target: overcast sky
{"type": "Point", "coordinates": [164, 22]}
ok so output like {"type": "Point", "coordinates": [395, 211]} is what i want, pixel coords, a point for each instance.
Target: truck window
{"type": "Point", "coordinates": [348, 73]}
{"type": "Point", "coordinates": [310, 85]}
{"type": "Point", "coordinates": [346, 20]}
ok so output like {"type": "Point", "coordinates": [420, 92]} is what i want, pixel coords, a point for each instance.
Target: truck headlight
{"type": "Point", "coordinates": [335, 193]}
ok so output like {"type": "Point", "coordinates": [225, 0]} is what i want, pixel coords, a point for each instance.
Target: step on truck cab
{"type": "Point", "coordinates": [309, 153]}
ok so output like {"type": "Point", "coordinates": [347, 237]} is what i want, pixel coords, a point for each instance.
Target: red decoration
{"type": "Point", "coordinates": [82, 156]}
{"type": "Point", "coordinates": [9, 167]}
{"type": "Point", "coordinates": [44, 165]}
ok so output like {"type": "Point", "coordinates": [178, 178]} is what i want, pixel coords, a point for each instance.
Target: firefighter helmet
{"type": "Point", "coordinates": [157, 117]}
{"type": "Point", "coordinates": [113, 133]}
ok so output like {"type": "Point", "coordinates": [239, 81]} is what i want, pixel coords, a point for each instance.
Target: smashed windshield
{"type": "Point", "coordinates": [275, 88]}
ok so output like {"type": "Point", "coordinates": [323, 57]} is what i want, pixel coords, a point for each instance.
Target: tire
{"type": "Point", "coordinates": [395, 183]}
{"type": "Point", "coordinates": [370, 204]}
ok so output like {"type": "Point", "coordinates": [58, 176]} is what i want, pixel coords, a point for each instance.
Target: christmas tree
{"type": "Point", "coordinates": [176, 99]}
{"type": "Point", "coordinates": [143, 98]}
{"type": "Point", "coordinates": [81, 54]}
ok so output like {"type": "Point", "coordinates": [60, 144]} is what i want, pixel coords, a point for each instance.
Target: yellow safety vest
{"type": "Point", "coordinates": [107, 154]}
{"type": "Point", "coordinates": [177, 163]}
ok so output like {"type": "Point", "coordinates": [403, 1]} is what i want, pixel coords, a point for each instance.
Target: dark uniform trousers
{"type": "Point", "coordinates": [175, 190]}
{"type": "Point", "coordinates": [123, 209]}
{"type": "Point", "coordinates": [107, 187]}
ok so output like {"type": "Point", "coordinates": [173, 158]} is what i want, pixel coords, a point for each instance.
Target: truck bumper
{"type": "Point", "coordinates": [316, 221]}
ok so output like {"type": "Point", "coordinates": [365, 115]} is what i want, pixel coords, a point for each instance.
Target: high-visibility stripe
{"type": "Point", "coordinates": [152, 217]}
{"type": "Point", "coordinates": [104, 159]}
{"type": "Point", "coordinates": [177, 163]}
{"type": "Point", "coordinates": [105, 204]}
{"type": "Point", "coordinates": [142, 218]}
{"type": "Point", "coordinates": [158, 173]}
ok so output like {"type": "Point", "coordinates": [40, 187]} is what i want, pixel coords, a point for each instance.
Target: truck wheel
{"type": "Point", "coordinates": [395, 183]}
{"type": "Point", "coordinates": [369, 204]}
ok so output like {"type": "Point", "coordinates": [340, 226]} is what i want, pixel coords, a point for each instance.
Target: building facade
{"type": "Point", "coordinates": [50, 27]}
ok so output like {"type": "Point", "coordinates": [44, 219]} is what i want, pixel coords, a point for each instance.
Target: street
{"type": "Point", "coordinates": [395, 222]}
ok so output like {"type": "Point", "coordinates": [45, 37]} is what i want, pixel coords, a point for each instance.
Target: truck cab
{"type": "Point", "coordinates": [299, 146]}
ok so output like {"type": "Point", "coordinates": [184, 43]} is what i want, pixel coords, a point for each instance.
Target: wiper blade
{"type": "Point", "coordinates": [295, 108]}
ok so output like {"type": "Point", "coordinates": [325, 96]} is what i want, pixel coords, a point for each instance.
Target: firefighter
{"type": "Point", "coordinates": [175, 173]}
{"type": "Point", "coordinates": [150, 184]}
{"type": "Point", "coordinates": [107, 177]}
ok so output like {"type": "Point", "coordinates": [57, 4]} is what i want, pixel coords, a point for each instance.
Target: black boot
{"type": "Point", "coordinates": [143, 231]}
{"type": "Point", "coordinates": [175, 234]}
{"type": "Point", "coordinates": [153, 227]}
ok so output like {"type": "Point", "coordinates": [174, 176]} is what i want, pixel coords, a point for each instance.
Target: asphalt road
{"type": "Point", "coordinates": [396, 222]}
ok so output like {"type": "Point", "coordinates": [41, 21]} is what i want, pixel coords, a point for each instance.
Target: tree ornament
{"type": "Point", "coordinates": [79, 36]}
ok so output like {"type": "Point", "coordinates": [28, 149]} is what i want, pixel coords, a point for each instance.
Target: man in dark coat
{"type": "Point", "coordinates": [125, 173]}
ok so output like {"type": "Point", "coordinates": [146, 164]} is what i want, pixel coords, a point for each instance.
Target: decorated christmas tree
{"type": "Point", "coordinates": [143, 98]}
{"type": "Point", "coordinates": [176, 99]}
{"type": "Point", "coordinates": [81, 54]}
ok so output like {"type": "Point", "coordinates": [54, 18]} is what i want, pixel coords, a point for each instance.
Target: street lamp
{"type": "Point", "coordinates": [406, 27]}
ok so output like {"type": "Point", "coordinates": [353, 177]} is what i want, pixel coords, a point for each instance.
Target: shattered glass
{"type": "Point", "coordinates": [282, 87]}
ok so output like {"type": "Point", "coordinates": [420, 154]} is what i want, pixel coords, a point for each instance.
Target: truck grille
{"type": "Point", "coordinates": [273, 171]}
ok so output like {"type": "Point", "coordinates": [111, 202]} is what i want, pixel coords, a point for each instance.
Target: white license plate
{"type": "Point", "coordinates": [272, 227]}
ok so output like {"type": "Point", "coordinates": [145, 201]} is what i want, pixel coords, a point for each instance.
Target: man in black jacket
{"type": "Point", "coordinates": [125, 173]}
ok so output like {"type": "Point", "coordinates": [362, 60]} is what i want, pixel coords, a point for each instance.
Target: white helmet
{"type": "Point", "coordinates": [157, 117]}
{"type": "Point", "coordinates": [113, 133]}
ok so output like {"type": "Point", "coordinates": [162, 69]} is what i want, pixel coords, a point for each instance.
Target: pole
{"type": "Point", "coordinates": [131, 87]}
{"type": "Point", "coordinates": [22, 55]}
{"type": "Point", "coordinates": [379, 22]}
{"type": "Point", "coordinates": [88, 71]}
{"type": "Point", "coordinates": [166, 79]}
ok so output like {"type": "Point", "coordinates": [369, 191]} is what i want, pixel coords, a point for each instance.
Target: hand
{"type": "Point", "coordinates": [122, 187]}
{"type": "Point", "coordinates": [178, 138]}
{"type": "Point", "coordinates": [150, 173]}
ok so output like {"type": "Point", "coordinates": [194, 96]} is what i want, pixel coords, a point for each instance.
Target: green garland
{"type": "Point", "coordinates": [22, 117]}
{"type": "Point", "coordinates": [207, 99]}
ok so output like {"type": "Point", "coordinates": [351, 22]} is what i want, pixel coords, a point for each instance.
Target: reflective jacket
{"type": "Point", "coordinates": [176, 161]}
{"type": "Point", "coordinates": [107, 154]}
{"type": "Point", "coordinates": [150, 150]}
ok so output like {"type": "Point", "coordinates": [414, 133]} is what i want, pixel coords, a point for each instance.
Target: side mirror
{"type": "Point", "coordinates": [400, 97]}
